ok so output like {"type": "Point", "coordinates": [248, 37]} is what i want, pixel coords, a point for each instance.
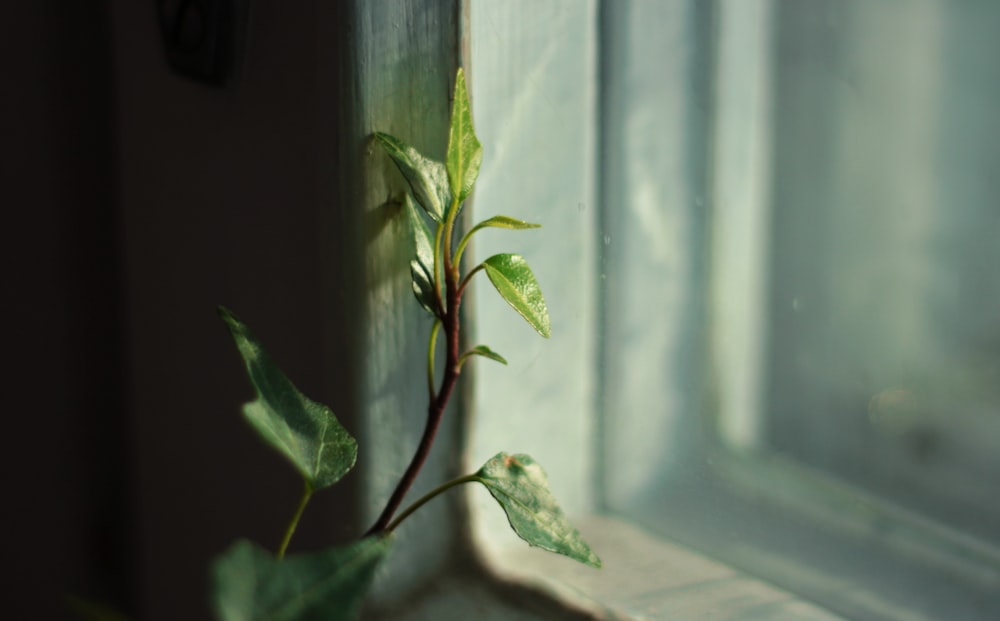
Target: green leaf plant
{"type": "Point", "coordinates": [252, 584]}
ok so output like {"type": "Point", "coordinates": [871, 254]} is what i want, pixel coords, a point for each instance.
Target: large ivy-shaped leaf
{"type": "Point", "coordinates": [427, 178]}
{"type": "Point", "coordinates": [465, 153]}
{"type": "Point", "coordinates": [305, 432]}
{"type": "Point", "coordinates": [515, 282]}
{"type": "Point", "coordinates": [251, 585]}
{"type": "Point", "coordinates": [521, 487]}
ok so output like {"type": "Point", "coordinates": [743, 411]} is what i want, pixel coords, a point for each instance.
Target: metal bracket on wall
{"type": "Point", "coordinates": [204, 39]}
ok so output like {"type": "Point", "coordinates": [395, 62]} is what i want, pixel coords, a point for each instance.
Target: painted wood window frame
{"type": "Point", "coordinates": [537, 88]}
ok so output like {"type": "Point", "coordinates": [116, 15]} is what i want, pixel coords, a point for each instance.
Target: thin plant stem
{"type": "Point", "coordinates": [437, 264]}
{"type": "Point", "coordinates": [306, 494]}
{"type": "Point", "coordinates": [436, 407]}
{"type": "Point", "coordinates": [469, 478]}
{"type": "Point", "coordinates": [468, 278]}
{"type": "Point", "coordinates": [462, 244]}
{"type": "Point", "coordinates": [431, 346]}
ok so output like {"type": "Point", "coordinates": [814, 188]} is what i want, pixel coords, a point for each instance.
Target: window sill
{"type": "Point", "coordinates": [643, 577]}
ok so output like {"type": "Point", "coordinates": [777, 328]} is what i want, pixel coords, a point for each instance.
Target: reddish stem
{"type": "Point", "coordinates": [436, 408]}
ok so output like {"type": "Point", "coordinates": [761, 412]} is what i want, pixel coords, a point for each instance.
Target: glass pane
{"type": "Point", "coordinates": [884, 358]}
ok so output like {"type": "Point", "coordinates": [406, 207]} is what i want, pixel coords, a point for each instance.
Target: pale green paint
{"type": "Point", "coordinates": [656, 121]}
{"type": "Point", "coordinates": [533, 81]}
{"type": "Point", "coordinates": [406, 56]}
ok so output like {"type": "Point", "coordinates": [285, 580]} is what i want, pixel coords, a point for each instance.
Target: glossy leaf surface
{"type": "Point", "coordinates": [521, 487]}
{"type": "Point", "coordinates": [423, 289]}
{"type": "Point", "coordinates": [515, 282]}
{"type": "Point", "coordinates": [249, 584]}
{"type": "Point", "coordinates": [465, 153]}
{"type": "Point", "coordinates": [423, 240]}
{"type": "Point", "coordinates": [305, 432]}
{"type": "Point", "coordinates": [486, 352]}
{"type": "Point", "coordinates": [427, 178]}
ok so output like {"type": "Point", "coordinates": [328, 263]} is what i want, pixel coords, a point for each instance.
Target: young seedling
{"type": "Point", "coordinates": [250, 583]}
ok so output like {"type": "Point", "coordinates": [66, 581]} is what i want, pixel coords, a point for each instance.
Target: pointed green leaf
{"type": "Point", "coordinates": [305, 432]}
{"type": "Point", "coordinates": [423, 289]}
{"type": "Point", "coordinates": [465, 153]}
{"type": "Point", "coordinates": [251, 585]}
{"type": "Point", "coordinates": [423, 240]}
{"type": "Point", "coordinates": [515, 282]}
{"type": "Point", "coordinates": [521, 487]}
{"type": "Point", "coordinates": [486, 352]}
{"type": "Point", "coordinates": [427, 178]}
{"type": "Point", "coordinates": [504, 222]}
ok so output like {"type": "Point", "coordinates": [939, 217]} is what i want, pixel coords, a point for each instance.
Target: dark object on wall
{"type": "Point", "coordinates": [204, 39]}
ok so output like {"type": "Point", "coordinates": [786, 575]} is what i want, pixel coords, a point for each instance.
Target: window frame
{"type": "Point", "coordinates": [808, 533]}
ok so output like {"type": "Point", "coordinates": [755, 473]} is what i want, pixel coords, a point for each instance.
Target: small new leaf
{"type": "Point", "coordinates": [427, 178]}
{"type": "Point", "coordinates": [465, 153]}
{"type": "Point", "coordinates": [305, 432]}
{"type": "Point", "coordinates": [521, 487]}
{"type": "Point", "coordinates": [516, 283]}
{"type": "Point", "coordinates": [251, 585]}
{"type": "Point", "coordinates": [486, 352]}
{"type": "Point", "coordinates": [504, 222]}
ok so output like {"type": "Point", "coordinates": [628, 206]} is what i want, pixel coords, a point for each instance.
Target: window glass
{"type": "Point", "coordinates": [798, 298]}
{"type": "Point", "coordinates": [883, 362]}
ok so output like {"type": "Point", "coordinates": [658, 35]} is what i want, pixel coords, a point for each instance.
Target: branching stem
{"type": "Point", "coordinates": [438, 402]}
{"type": "Point", "coordinates": [468, 278]}
{"type": "Point", "coordinates": [469, 478]}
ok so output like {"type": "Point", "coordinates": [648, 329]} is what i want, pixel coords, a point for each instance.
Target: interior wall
{"type": "Point", "coordinates": [227, 196]}
{"type": "Point", "coordinates": [62, 520]}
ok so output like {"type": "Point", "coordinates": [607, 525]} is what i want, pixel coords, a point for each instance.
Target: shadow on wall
{"type": "Point", "coordinates": [140, 201]}
{"type": "Point", "coordinates": [64, 520]}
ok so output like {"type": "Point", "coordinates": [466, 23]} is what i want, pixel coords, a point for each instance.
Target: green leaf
{"type": "Point", "coordinates": [427, 178]}
{"type": "Point", "coordinates": [515, 282]}
{"type": "Point", "coordinates": [519, 484]}
{"type": "Point", "coordinates": [423, 240]}
{"type": "Point", "coordinates": [465, 153]}
{"type": "Point", "coordinates": [504, 222]}
{"type": "Point", "coordinates": [305, 432]}
{"type": "Point", "coordinates": [251, 585]}
{"type": "Point", "coordinates": [423, 289]}
{"type": "Point", "coordinates": [486, 352]}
